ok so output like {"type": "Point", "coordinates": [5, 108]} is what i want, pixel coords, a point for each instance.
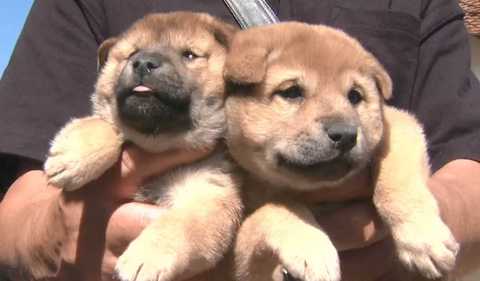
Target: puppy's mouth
{"type": "Point", "coordinates": [141, 90]}
{"type": "Point", "coordinates": [152, 111]}
{"type": "Point", "coordinates": [332, 169]}
{"type": "Point", "coordinates": [180, 104]}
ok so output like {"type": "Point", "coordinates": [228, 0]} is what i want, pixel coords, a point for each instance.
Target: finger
{"type": "Point", "coordinates": [137, 164]}
{"type": "Point", "coordinates": [124, 178]}
{"type": "Point", "coordinates": [355, 226]}
{"type": "Point", "coordinates": [127, 222]}
{"type": "Point", "coordinates": [367, 264]}
{"type": "Point", "coordinates": [400, 273]}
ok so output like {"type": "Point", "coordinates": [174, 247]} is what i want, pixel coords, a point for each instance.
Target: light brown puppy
{"type": "Point", "coordinates": [161, 87]}
{"type": "Point", "coordinates": [305, 113]}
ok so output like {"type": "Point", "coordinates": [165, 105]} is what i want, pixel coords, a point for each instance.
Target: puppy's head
{"type": "Point", "coordinates": [305, 104]}
{"type": "Point", "coordinates": [161, 80]}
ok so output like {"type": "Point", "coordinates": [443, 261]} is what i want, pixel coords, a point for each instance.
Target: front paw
{"type": "Point", "coordinates": [427, 246]}
{"type": "Point", "coordinates": [66, 169]}
{"type": "Point", "coordinates": [145, 260]}
{"type": "Point", "coordinates": [310, 259]}
{"type": "Point", "coordinates": [81, 152]}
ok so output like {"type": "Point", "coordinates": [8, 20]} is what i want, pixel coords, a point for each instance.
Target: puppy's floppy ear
{"type": "Point", "coordinates": [102, 53]}
{"type": "Point", "coordinates": [247, 59]}
{"type": "Point", "coordinates": [384, 83]}
{"type": "Point", "coordinates": [382, 79]}
{"type": "Point", "coordinates": [223, 33]}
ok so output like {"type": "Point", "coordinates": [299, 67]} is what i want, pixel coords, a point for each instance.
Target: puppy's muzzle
{"type": "Point", "coordinates": [326, 153]}
{"type": "Point", "coordinates": [343, 136]}
{"type": "Point", "coordinates": [144, 64]}
{"type": "Point", "coordinates": [154, 94]}
{"type": "Point", "coordinates": [159, 71]}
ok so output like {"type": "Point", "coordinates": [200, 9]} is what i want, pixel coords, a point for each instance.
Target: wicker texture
{"type": "Point", "coordinates": [472, 15]}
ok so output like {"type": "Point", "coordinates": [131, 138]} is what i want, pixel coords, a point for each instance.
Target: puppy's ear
{"type": "Point", "coordinates": [384, 83]}
{"type": "Point", "coordinates": [223, 33]}
{"type": "Point", "coordinates": [382, 79]}
{"type": "Point", "coordinates": [247, 59]}
{"type": "Point", "coordinates": [103, 50]}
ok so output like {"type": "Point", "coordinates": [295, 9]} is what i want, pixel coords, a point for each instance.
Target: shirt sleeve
{"type": "Point", "coordinates": [446, 95]}
{"type": "Point", "coordinates": [50, 75]}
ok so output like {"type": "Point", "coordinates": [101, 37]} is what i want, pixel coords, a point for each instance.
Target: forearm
{"type": "Point", "coordinates": [31, 235]}
{"type": "Point", "coordinates": [457, 189]}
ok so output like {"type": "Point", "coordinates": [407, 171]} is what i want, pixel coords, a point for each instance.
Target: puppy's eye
{"type": "Point", "coordinates": [291, 93]}
{"type": "Point", "coordinates": [354, 96]}
{"type": "Point", "coordinates": [189, 55]}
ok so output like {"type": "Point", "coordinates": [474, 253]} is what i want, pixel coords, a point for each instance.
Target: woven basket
{"type": "Point", "coordinates": [472, 15]}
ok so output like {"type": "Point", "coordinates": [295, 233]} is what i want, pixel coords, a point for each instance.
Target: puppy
{"type": "Point", "coordinates": [306, 112]}
{"type": "Point", "coordinates": [161, 87]}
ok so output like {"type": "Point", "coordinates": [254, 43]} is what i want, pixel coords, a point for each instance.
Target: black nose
{"type": "Point", "coordinates": [342, 135]}
{"type": "Point", "coordinates": [145, 63]}
{"type": "Point", "coordinates": [287, 276]}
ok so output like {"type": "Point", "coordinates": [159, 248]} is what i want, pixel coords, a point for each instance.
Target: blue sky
{"type": "Point", "coordinates": [12, 16]}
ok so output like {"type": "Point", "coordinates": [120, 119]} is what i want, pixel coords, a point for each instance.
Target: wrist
{"type": "Point", "coordinates": [457, 189]}
{"type": "Point", "coordinates": [455, 195]}
{"type": "Point", "coordinates": [38, 247]}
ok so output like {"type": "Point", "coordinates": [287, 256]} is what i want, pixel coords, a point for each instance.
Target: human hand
{"type": "Point", "coordinates": [354, 227]}
{"type": "Point", "coordinates": [366, 249]}
{"type": "Point", "coordinates": [79, 235]}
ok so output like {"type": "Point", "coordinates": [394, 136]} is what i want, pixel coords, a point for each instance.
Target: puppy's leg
{"type": "Point", "coordinates": [81, 152]}
{"type": "Point", "coordinates": [288, 235]}
{"type": "Point", "coordinates": [192, 235]}
{"type": "Point", "coordinates": [404, 201]}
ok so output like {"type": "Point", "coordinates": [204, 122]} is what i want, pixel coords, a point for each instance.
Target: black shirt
{"type": "Point", "coordinates": [423, 45]}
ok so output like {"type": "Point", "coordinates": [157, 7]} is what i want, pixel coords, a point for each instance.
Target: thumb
{"type": "Point", "coordinates": [369, 263]}
{"type": "Point", "coordinates": [138, 165]}
{"type": "Point", "coordinates": [127, 222]}
{"type": "Point", "coordinates": [354, 226]}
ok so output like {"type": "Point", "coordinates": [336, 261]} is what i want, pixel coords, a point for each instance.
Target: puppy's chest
{"type": "Point", "coordinates": [160, 191]}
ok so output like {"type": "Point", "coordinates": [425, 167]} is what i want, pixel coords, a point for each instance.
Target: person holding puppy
{"type": "Point", "coordinates": [422, 45]}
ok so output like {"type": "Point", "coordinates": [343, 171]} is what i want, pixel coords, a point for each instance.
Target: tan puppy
{"type": "Point", "coordinates": [305, 113]}
{"type": "Point", "coordinates": [161, 87]}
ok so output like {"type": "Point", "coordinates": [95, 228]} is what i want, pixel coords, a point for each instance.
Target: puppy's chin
{"type": "Point", "coordinates": [308, 176]}
{"type": "Point", "coordinates": [153, 113]}
{"type": "Point", "coordinates": [331, 170]}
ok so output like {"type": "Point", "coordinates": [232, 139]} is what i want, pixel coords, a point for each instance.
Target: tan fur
{"type": "Point", "coordinates": [201, 202]}
{"type": "Point", "coordinates": [404, 201]}
{"type": "Point", "coordinates": [264, 126]}
{"type": "Point", "coordinates": [83, 150]}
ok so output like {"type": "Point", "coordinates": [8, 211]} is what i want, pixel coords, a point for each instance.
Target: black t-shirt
{"type": "Point", "coordinates": [423, 45]}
